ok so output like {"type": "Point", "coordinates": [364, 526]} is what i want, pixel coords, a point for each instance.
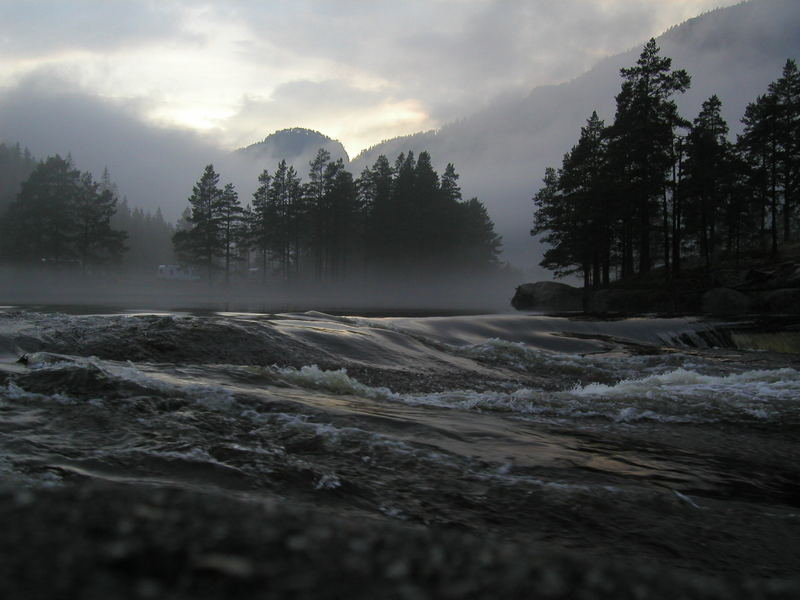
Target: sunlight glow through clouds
{"type": "Point", "coordinates": [239, 69]}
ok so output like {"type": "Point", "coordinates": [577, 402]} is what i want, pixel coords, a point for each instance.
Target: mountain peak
{"type": "Point", "coordinates": [295, 143]}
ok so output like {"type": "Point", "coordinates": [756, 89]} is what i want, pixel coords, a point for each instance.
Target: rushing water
{"type": "Point", "coordinates": [632, 442]}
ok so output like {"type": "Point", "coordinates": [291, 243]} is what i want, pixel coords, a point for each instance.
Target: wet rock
{"type": "Point", "coordinates": [620, 301]}
{"type": "Point", "coordinates": [548, 295]}
{"type": "Point", "coordinates": [782, 276]}
{"type": "Point", "coordinates": [202, 546]}
{"type": "Point", "coordinates": [725, 301]}
{"type": "Point", "coordinates": [786, 275]}
{"type": "Point", "coordinates": [611, 301]}
{"type": "Point", "coordinates": [785, 301]}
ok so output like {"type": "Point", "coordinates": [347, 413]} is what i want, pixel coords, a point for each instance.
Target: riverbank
{"type": "Point", "coordinates": [744, 285]}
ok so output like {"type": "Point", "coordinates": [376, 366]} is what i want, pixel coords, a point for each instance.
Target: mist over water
{"type": "Point", "coordinates": [144, 291]}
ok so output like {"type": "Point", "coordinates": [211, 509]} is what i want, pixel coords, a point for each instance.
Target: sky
{"type": "Point", "coordinates": [232, 72]}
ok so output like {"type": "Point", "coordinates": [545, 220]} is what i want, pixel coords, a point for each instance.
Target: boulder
{"type": "Point", "coordinates": [785, 302]}
{"type": "Point", "coordinates": [637, 301]}
{"type": "Point", "coordinates": [725, 301]}
{"type": "Point", "coordinates": [786, 275]}
{"type": "Point", "coordinates": [548, 295]}
{"type": "Point", "coordinates": [782, 276]}
{"type": "Point", "coordinates": [610, 301]}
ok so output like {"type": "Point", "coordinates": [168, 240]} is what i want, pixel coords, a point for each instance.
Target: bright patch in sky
{"type": "Point", "coordinates": [361, 72]}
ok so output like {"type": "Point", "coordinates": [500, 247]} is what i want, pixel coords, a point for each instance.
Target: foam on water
{"type": "Point", "coordinates": [677, 396]}
{"type": "Point", "coordinates": [209, 396]}
{"type": "Point", "coordinates": [333, 381]}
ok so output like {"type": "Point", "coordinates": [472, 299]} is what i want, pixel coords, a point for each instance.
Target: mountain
{"type": "Point", "coordinates": [295, 145]}
{"type": "Point", "coordinates": [502, 151]}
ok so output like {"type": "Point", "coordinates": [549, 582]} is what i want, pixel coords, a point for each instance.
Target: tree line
{"type": "Point", "coordinates": [16, 165]}
{"type": "Point", "coordinates": [60, 217]}
{"type": "Point", "coordinates": [54, 215]}
{"type": "Point", "coordinates": [652, 188]}
{"type": "Point", "coordinates": [400, 219]}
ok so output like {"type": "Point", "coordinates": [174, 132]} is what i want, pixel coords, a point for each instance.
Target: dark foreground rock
{"type": "Point", "coordinates": [725, 301]}
{"type": "Point", "coordinates": [783, 301]}
{"type": "Point", "coordinates": [767, 287]}
{"type": "Point", "coordinates": [547, 295]}
{"type": "Point", "coordinates": [100, 541]}
{"type": "Point", "coordinates": [622, 301]}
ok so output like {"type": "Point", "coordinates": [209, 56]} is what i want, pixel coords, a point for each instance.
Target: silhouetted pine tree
{"type": "Point", "coordinates": [574, 212]}
{"type": "Point", "coordinates": [375, 198]}
{"type": "Point", "coordinates": [640, 152]}
{"type": "Point", "coordinates": [786, 94]}
{"type": "Point", "coordinates": [16, 165]}
{"type": "Point", "coordinates": [317, 211]}
{"type": "Point", "coordinates": [260, 229]}
{"type": "Point", "coordinates": [203, 242]}
{"type": "Point", "coordinates": [230, 211]}
{"type": "Point", "coordinates": [709, 160]}
{"type": "Point", "coordinates": [478, 246]}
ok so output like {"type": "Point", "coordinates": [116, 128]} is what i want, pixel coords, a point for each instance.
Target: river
{"type": "Point", "coordinates": [217, 454]}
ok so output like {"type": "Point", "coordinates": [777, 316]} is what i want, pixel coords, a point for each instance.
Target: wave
{"type": "Point", "coordinates": [676, 396]}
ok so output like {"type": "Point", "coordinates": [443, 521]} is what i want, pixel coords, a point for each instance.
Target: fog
{"type": "Point", "coordinates": [118, 291]}
{"type": "Point", "coordinates": [500, 143]}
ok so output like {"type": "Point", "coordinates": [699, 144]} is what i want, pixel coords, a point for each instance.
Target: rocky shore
{"type": "Point", "coordinates": [765, 290]}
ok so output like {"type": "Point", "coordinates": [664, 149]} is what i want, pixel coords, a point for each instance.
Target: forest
{"type": "Point", "coordinates": [402, 219]}
{"type": "Point", "coordinates": [653, 190]}
{"type": "Point", "coordinates": [53, 216]}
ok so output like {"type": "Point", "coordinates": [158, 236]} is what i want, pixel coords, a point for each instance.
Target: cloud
{"type": "Point", "coordinates": [418, 63]}
{"type": "Point", "coordinates": [153, 166]}
{"type": "Point", "coordinates": [41, 28]}
{"type": "Point", "coordinates": [334, 107]}
{"type": "Point", "coordinates": [455, 56]}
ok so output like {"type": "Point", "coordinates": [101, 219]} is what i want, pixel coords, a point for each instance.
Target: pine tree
{"type": "Point", "coordinates": [296, 219]}
{"type": "Point", "coordinates": [708, 171]}
{"type": "Point", "coordinates": [478, 244]}
{"type": "Point", "coordinates": [641, 147]}
{"type": "Point", "coordinates": [786, 94]}
{"type": "Point", "coordinates": [574, 212]}
{"type": "Point", "coordinates": [39, 226]}
{"type": "Point", "coordinates": [315, 200]}
{"type": "Point", "coordinates": [94, 239]}
{"type": "Point", "coordinates": [16, 165]}
{"type": "Point", "coordinates": [203, 242]}
{"type": "Point", "coordinates": [278, 203]}
{"type": "Point", "coordinates": [375, 197]}
{"type": "Point", "coordinates": [230, 221]}
{"type": "Point", "coordinates": [62, 217]}
{"type": "Point", "coordinates": [261, 221]}
{"type": "Point", "coordinates": [341, 213]}
{"type": "Point", "coordinates": [759, 144]}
